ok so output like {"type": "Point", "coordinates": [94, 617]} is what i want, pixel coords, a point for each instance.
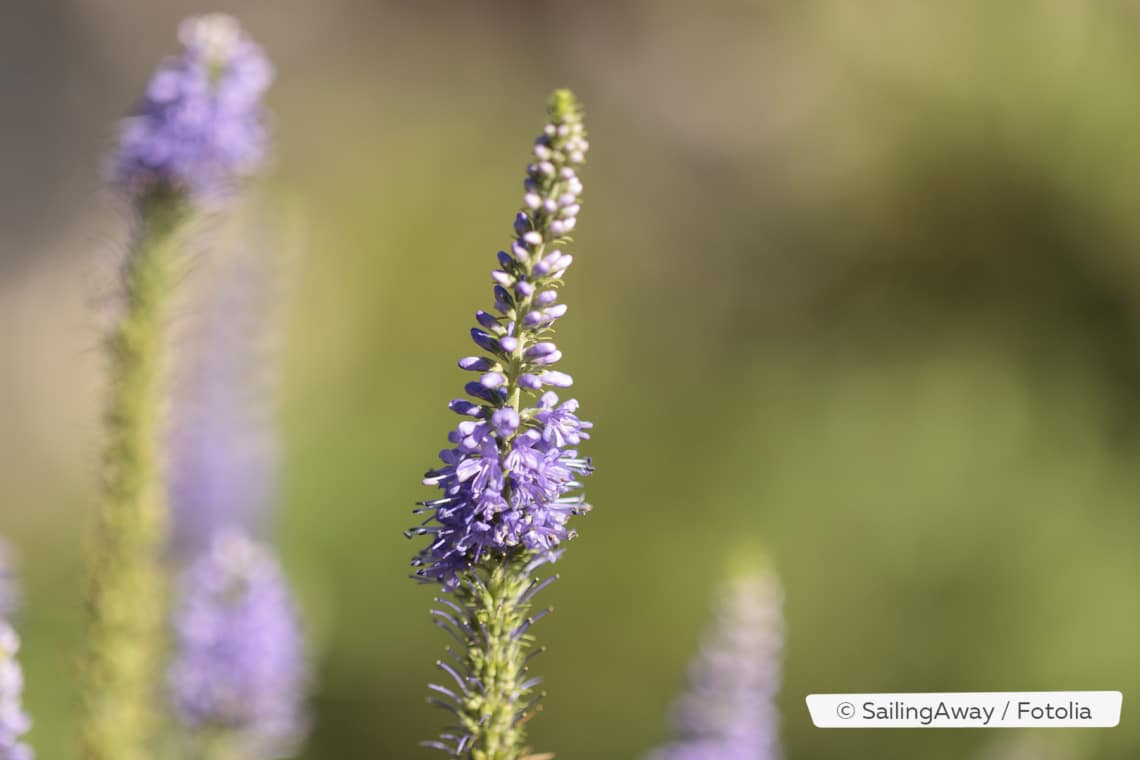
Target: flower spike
{"type": "Point", "coordinates": [200, 125]}
{"type": "Point", "coordinates": [198, 129]}
{"type": "Point", "coordinates": [238, 679]}
{"type": "Point", "coordinates": [729, 712]}
{"type": "Point", "coordinates": [510, 480]}
{"type": "Point", "coordinates": [14, 721]}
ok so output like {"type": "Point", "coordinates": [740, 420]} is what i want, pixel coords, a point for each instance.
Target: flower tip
{"type": "Point", "coordinates": [215, 36]}
{"type": "Point", "coordinates": [564, 107]}
{"type": "Point", "coordinates": [748, 558]}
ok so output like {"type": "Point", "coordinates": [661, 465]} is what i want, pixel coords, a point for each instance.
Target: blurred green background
{"type": "Point", "coordinates": [858, 280]}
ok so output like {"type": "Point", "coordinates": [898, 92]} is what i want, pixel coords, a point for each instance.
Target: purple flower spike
{"type": "Point", "coordinates": [512, 478]}
{"type": "Point", "coordinates": [14, 722]}
{"type": "Point", "coordinates": [729, 712]}
{"type": "Point", "coordinates": [518, 502]}
{"type": "Point", "coordinates": [238, 671]}
{"type": "Point", "coordinates": [241, 666]}
{"type": "Point", "coordinates": [200, 125]}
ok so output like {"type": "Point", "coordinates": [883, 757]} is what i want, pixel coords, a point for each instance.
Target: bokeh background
{"type": "Point", "coordinates": [860, 281]}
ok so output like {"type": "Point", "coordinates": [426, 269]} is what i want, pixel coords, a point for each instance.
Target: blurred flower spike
{"type": "Point", "coordinates": [200, 126]}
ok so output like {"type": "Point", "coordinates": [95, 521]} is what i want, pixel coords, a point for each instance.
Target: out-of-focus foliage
{"type": "Point", "coordinates": [860, 280]}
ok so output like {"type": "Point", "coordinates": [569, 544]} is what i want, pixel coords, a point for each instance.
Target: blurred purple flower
{"type": "Point", "coordinates": [14, 722]}
{"type": "Point", "coordinates": [510, 481]}
{"type": "Point", "coordinates": [729, 712]}
{"type": "Point", "coordinates": [200, 124]}
{"type": "Point", "coordinates": [240, 668]}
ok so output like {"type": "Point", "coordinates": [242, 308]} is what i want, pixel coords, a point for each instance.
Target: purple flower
{"type": "Point", "coordinates": [729, 712]}
{"type": "Point", "coordinates": [240, 669]}
{"type": "Point", "coordinates": [14, 722]}
{"type": "Point", "coordinates": [510, 483]}
{"type": "Point", "coordinates": [200, 124]}
{"type": "Point", "coordinates": [560, 424]}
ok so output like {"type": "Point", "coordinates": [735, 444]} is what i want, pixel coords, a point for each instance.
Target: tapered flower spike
{"type": "Point", "coordinates": [239, 674]}
{"type": "Point", "coordinates": [189, 141]}
{"type": "Point", "coordinates": [14, 722]}
{"type": "Point", "coordinates": [510, 482]}
{"type": "Point", "coordinates": [729, 712]}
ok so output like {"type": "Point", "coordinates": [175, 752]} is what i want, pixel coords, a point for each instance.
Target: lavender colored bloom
{"type": "Point", "coordinates": [510, 483]}
{"type": "Point", "coordinates": [200, 124]}
{"type": "Point", "coordinates": [729, 712]}
{"type": "Point", "coordinates": [239, 673]}
{"type": "Point", "coordinates": [240, 668]}
{"type": "Point", "coordinates": [560, 423]}
{"type": "Point", "coordinates": [14, 722]}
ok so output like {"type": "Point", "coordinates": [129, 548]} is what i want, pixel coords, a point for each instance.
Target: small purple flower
{"type": "Point", "coordinates": [240, 667]}
{"type": "Point", "coordinates": [509, 485]}
{"type": "Point", "coordinates": [14, 722]}
{"type": "Point", "coordinates": [200, 125]}
{"type": "Point", "coordinates": [729, 712]}
{"type": "Point", "coordinates": [560, 424]}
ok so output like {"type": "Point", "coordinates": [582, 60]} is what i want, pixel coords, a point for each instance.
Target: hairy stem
{"type": "Point", "coordinates": [496, 703]}
{"type": "Point", "coordinates": [125, 593]}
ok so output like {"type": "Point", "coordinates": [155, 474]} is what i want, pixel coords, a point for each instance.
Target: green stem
{"type": "Point", "coordinates": [126, 591]}
{"type": "Point", "coordinates": [216, 744]}
{"type": "Point", "coordinates": [496, 657]}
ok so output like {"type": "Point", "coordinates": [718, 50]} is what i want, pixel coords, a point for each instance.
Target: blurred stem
{"type": "Point", "coordinates": [216, 744]}
{"type": "Point", "coordinates": [493, 714]}
{"type": "Point", "coordinates": [125, 591]}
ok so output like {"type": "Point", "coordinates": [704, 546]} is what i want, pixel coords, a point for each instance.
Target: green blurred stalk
{"type": "Point", "coordinates": [126, 586]}
{"type": "Point", "coordinates": [215, 744]}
